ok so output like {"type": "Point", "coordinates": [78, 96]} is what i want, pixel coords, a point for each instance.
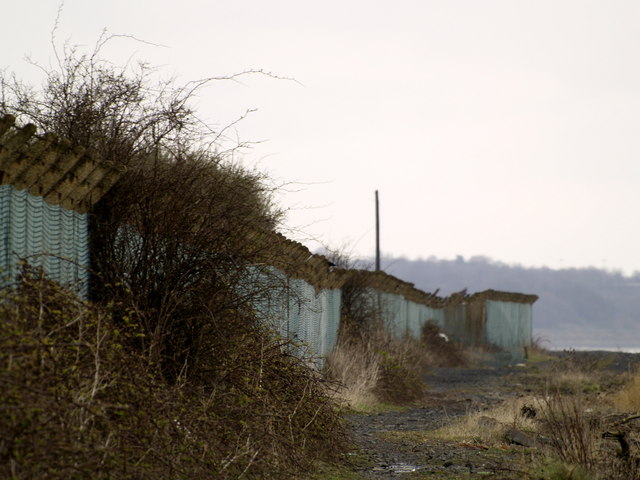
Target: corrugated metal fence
{"type": "Point", "coordinates": [49, 236]}
{"type": "Point", "coordinates": [47, 188]}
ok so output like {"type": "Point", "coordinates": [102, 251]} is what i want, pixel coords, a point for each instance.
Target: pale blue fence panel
{"type": "Point", "coordinates": [46, 235]}
{"type": "Point", "coordinates": [509, 326]}
{"type": "Point", "coordinates": [401, 316]}
{"type": "Point", "coordinates": [296, 310]}
{"type": "Point", "coordinates": [330, 320]}
{"type": "Point", "coordinates": [415, 318]}
{"type": "Point", "coordinates": [393, 311]}
{"type": "Point", "coordinates": [435, 315]}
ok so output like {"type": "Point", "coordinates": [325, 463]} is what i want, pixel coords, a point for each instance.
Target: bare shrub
{"type": "Point", "coordinates": [360, 309]}
{"type": "Point", "coordinates": [76, 402]}
{"type": "Point", "coordinates": [360, 312]}
{"type": "Point", "coordinates": [175, 236]}
{"type": "Point", "coordinates": [174, 240]}
{"type": "Point", "coordinates": [191, 384]}
{"type": "Point", "coordinates": [573, 434]}
{"type": "Point", "coordinates": [120, 112]}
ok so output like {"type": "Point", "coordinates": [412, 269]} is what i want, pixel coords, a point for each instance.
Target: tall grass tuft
{"type": "Point", "coordinates": [356, 367]}
{"type": "Point", "coordinates": [376, 366]}
{"type": "Point", "coordinates": [627, 399]}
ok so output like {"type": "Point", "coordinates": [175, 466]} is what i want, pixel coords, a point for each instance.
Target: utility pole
{"type": "Point", "coordinates": [377, 234]}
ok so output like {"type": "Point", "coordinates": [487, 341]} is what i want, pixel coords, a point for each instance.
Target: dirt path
{"type": "Point", "coordinates": [453, 392]}
{"type": "Point", "coordinates": [394, 447]}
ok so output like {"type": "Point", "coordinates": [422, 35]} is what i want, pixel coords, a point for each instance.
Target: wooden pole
{"type": "Point", "coordinates": [377, 234]}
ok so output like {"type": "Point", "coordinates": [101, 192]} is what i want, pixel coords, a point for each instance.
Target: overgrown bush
{"type": "Point", "coordinates": [76, 402]}
{"type": "Point", "coordinates": [173, 240]}
{"type": "Point", "coordinates": [168, 373]}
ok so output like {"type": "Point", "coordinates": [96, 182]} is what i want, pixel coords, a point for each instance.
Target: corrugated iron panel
{"type": "Point", "coordinates": [435, 315]}
{"type": "Point", "coordinates": [330, 321]}
{"type": "Point", "coordinates": [393, 311]}
{"type": "Point", "coordinates": [509, 326]}
{"type": "Point", "coordinates": [402, 316]}
{"type": "Point", "coordinates": [297, 310]}
{"type": "Point", "coordinates": [46, 235]}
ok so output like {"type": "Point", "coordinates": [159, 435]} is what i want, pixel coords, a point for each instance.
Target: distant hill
{"type": "Point", "coordinates": [578, 308]}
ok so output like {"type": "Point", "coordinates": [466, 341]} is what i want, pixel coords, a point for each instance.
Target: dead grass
{"type": "Point", "coordinates": [580, 434]}
{"type": "Point", "coordinates": [570, 375]}
{"type": "Point", "coordinates": [356, 368]}
{"type": "Point", "coordinates": [628, 398]}
{"type": "Point", "coordinates": [378, 368]}
{"type": "Point", "coordinates": [488, 426]}
{"type": "Point", "coordinates": [381, 368]}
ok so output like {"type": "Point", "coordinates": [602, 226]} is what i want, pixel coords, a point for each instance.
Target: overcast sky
{"type": "Point", "coordinates": [505, 128]}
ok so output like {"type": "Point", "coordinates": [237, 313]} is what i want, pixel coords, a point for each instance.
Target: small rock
{"type": "Point", "coordinates": [520, 438]}
{"type": "Point", "coordinates": [447, 464]}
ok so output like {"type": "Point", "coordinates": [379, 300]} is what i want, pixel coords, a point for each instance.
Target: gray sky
{"type": "Point", "coordinates": [501, 128]}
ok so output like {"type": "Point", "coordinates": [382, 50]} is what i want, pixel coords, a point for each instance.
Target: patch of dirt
{"type": "Point", "coordinates": [394, 443]}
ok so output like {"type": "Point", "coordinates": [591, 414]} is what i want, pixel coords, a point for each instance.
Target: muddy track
{"type": "Point", "coordinates": [452, 393]}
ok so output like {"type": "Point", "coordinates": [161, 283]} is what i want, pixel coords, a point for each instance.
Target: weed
{"type": "Point", "coordinates": [377, 368]}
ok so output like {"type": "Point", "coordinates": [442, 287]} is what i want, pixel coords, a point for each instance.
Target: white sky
{"type": "Point", "coordinates": [505, 128]}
